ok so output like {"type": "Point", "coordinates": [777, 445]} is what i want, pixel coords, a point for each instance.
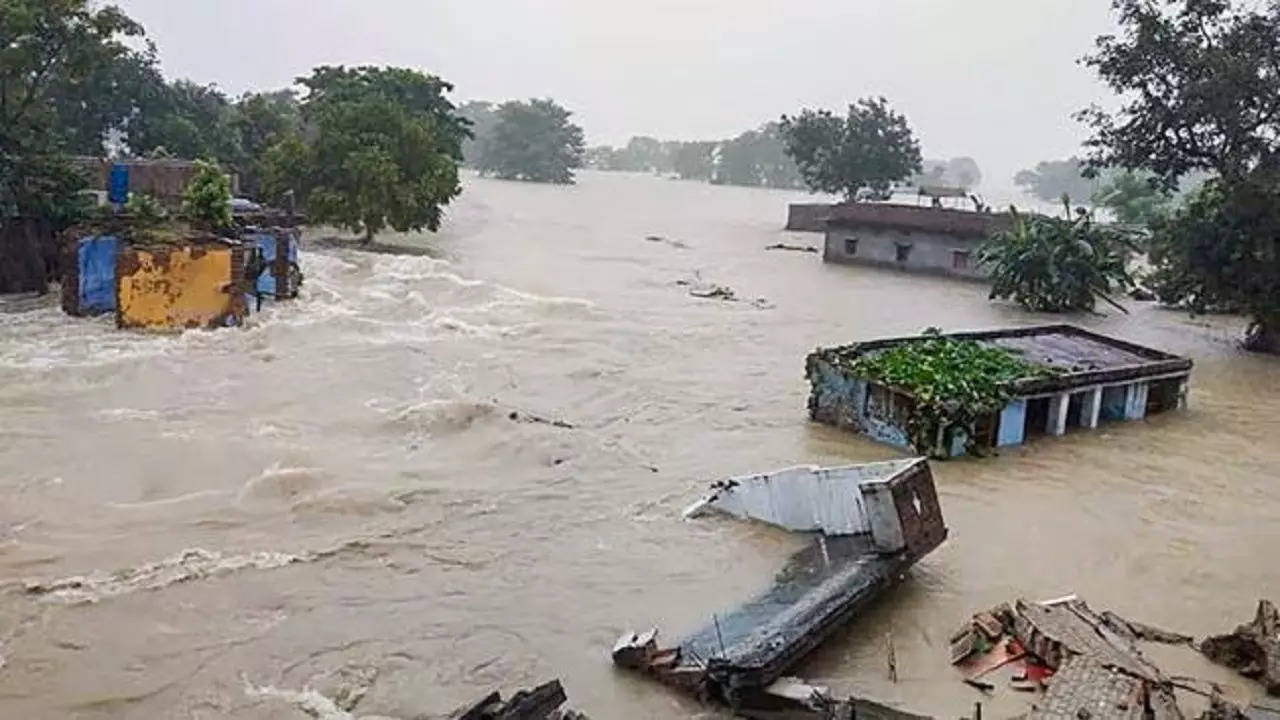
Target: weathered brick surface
{"type": "Point", "coordinates": [1084, 690]}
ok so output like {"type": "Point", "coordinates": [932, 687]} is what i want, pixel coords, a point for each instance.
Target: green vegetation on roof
{"type": "Point", "coordinates": [953, 383]}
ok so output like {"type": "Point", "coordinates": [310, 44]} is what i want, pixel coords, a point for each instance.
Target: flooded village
{"type": "Point", "coordinates": [376, 417]}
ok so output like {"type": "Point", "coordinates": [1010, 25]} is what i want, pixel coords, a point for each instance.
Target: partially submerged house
{"type": "Point", "coordinates": [933, 240]}
{"type": "Point", "coordinates": [177, 278]}
{"type": "Point", "coordinates": [1076, 379]}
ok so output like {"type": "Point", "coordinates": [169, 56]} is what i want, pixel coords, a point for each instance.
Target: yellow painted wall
{"type": "Point", "coordinates": [176, 288]}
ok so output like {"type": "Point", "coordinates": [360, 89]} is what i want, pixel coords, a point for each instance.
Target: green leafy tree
{"type": "Point", "coordinates": [1133, 199]}
{"type": "Point", "coordinates": [187, 120]}
{"type": "Point", "coordinates": [381, 149]}
{"type": "Point", "coordinates": [865, 152]}
{"type": "Point", "coordinates": [1048, 264]}
{"type": "Point", "coordinates": [483, 118]}
{"type": "Point", "coordinates": [421, 95]}
{"type": "Point", "coordinates": [758, 157]}
{"type": "Point", "coordinates": [51, 52]}
{"type": "Point", "coordinates": [533, 141]}
{"type": "Point", "coordinates": [262, 120]}
{"type": "Point", "coordinates": [1218, 252]}
{"type": "Point", "coordinates": [1051, 179]}
{"type": "Point", "coordinates": [1199, 82]}
{"type": "Point", "coordinates": [207, 198]}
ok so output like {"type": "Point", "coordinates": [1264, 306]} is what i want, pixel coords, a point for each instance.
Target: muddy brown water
{"type": "Point", "coordinates": [337, 499]}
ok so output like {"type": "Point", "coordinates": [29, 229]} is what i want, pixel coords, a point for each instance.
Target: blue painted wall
{"type": "Point", "coordinates": [96, 257]}
{"type": "Point", "coordinates": [1013, 424]}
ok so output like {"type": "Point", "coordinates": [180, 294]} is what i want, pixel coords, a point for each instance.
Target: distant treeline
{"type": "Point", "coordinates": [756, 158]}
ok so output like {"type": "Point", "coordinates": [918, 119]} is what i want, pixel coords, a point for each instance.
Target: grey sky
{"type": "Point", "coordinates": [995, 79]}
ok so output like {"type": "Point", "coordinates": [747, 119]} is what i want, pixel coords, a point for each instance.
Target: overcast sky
{"type": "Point", "coordinates": [994, 79]}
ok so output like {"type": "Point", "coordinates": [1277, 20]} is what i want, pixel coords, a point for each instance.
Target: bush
{"type": "Point", "coordinates": [207, 199]}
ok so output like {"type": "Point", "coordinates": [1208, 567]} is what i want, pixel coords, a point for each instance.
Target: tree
{"type": "Point", "coordinates": [755, 158]}
{"type": "Point", "coordinates": [1218, 252]}
{"type": "Point", "coordinates": [869, 150]}
{"type": "Point", "coordinates": [533, 141]}
{"type": "Point", "coordinates": [1049, 264]}
{"type": "Point", "coordinates": [960, 172]}
{"type": "Point", "coordinates": [381, 149]}
{"type": "Point", "coordinates": [50, 100]}
{"type": "Point", "coordinates": [421, 95]}
{"type": "Point", "coordinates": [694, 160]}
{"type": "Point", "coordinates": [262, 120]}
{"type": "Point", "coordinates": [1051, 179]}
{"type": "Point", "coordinates": [186, 120]}
{"type": "Point", "coordinates": [1132, 198]}
{"type": "Point", "coordinates": [963, 172]}
{"type": "Point", "coordinates": [1200, 88]}
{"type": "Point", "coordinates": [483, 118]}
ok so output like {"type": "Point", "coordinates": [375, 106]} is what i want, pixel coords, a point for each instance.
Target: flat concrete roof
{"type": "Point", "coordinates": [1083, 358]}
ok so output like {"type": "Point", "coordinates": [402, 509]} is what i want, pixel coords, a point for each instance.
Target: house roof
{"type": "Point", "coordinates": [1082, 357]}
{"type": "Point", "coordinates": [912, 218]}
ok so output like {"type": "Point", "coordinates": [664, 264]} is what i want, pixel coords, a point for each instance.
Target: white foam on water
{"type": "Point", "coordinates": [307, 700]}
{"type": "Point", "coordinates": [186, 566]}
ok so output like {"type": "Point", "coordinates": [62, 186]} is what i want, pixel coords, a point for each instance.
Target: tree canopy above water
{"type": "Point", "coordinates": [867, 151]}
{"type": "Point", "coordinates": [1199, 82]}
{"type": "Point", "coordinates": [533, 141]}
{"type": "Point", "coordinates": [381, 149]}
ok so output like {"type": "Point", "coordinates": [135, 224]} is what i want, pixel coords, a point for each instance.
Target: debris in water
{"type": "Point", "coordinates": [714, 292]}
{"type": "Point", "coordinates": [1088, 664]}
{"type": "Point", "coordinates": [516, 416]}
{"type": "Point", "coordinates": [540, 703]}
{"type": "Point", "coordinates": [887, 517]}
{"type": "Point", "coordinates": [1253, 650]}
{"type": "Point", "coordinates": [793, 248]}
{"type": "Point", "coordinates": [678, 244]}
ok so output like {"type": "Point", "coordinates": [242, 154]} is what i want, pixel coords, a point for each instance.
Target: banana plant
{"type": "Point", "coordinates": [1066, 264]}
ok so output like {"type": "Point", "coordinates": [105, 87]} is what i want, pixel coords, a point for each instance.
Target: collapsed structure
{"type": "Point", "coordinates": [1075, 378]}
{"type": "Point", "coordinates": [875, 521]}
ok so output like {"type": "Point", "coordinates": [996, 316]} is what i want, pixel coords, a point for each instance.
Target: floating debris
{"type": "Point", "coordinates": [540, 703]}
{"type": "Point", "coordinates": [1253, 650]}
{"type": "Point", "coordinates": [678, 244]}
{"type": "Point", "coordinates": [1083, 665]}
{"type": "Point", "coordinates": [793, 248]}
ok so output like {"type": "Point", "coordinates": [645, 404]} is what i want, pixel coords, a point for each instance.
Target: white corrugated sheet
{"type": "Point", "coordinates": [802, 499]}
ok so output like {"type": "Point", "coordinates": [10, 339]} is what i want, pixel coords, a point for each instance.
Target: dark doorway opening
{"type": "Point", "coordinates": [1037, 417]}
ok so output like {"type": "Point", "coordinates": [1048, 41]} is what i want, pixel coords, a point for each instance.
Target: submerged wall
{"type": "Point", "coordinates": [172, 288]}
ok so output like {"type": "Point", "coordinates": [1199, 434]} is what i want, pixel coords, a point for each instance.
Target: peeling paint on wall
{"type": "Point", "coordinates": [172, 288]}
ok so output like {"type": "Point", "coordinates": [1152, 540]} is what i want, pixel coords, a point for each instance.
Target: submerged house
{"type": "Point", "coordinates": [1078, 379]}
{"type": "Point", "coordinates": [933, 240]}
{"type": "Point", "coordinates": [177, 279]}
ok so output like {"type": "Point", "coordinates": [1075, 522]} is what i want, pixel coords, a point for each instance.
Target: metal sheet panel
{"type": "Point", "coordinates": [172, 288]}
{"type": "Point", "coordinates": [803, 499]}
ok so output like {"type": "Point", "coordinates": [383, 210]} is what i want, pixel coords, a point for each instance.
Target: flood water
{"type": "Point", "coordinates": [337, 499]}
